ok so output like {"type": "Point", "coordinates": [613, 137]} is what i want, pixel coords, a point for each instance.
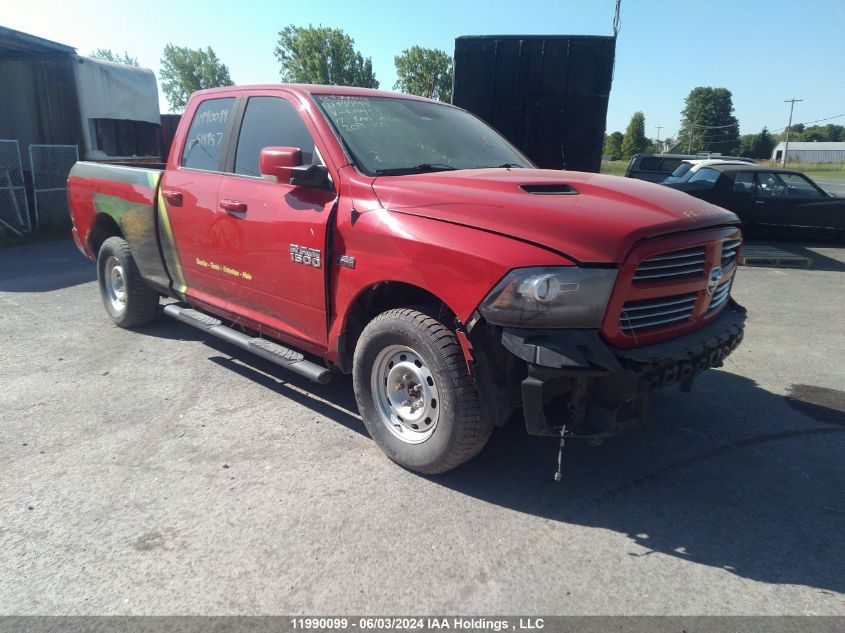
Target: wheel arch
{"type": "Point", "coordinates": [102, 228]}
{"type": "Point", "coordinates": [380, 297]}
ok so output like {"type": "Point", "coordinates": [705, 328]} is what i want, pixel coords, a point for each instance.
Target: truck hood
{"type": "Point", "coordinates": [587, 217]}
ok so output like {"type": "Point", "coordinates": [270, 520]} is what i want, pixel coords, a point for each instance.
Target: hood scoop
{"type": "Point", "coordinates": [550, 190]}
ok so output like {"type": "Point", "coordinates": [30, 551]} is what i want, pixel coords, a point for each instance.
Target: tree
{"type": "Point", "coordinates": [708, 123]}
{"type": "Point", "coordinates": [321, 55]}
{"type": "Point", "coordinates": [829, 132]}
{"type": "Point", "coordinates": [185, 70]}
{"type": "Point", "coordinates": [110, 56]}
{"type": "Point", "coordinates": [425, 72]}
{"type": "Point", "coordinates": [634, 141]}
{"type": "Point", "coordinates": [763, 144]}
{"type": "Point", "coordinates": [756, 145]}
{"type": "Point", "coordinates": [746, 146]}
{"type": "Point", "coordinates": [613, 145]}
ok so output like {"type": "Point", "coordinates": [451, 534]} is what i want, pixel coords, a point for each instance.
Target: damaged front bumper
{"type": "Point", "coordinates": [576, 379]}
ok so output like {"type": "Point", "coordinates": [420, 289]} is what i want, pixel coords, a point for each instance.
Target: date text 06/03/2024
{"type": "Point", "coordinates": [418, 623]}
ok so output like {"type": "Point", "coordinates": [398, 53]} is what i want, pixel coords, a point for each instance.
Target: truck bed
{"type": "Point", "coordinates": [101, 195]}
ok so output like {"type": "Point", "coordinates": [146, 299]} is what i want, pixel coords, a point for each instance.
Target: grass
{"type": "Point", "coordinates": [614, 167]}
{"type": "Point", "coordinates": [832, 171]}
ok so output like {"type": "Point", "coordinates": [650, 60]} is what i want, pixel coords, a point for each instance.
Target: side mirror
{"type": "Point", "coordinates": [285, 164]}
{"type": "Point", "coordinates": [279, 162]}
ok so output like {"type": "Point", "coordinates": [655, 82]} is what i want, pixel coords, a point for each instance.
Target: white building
{"type": "Point", "coordinates": [812, 152]}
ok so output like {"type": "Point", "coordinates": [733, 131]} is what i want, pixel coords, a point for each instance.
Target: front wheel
{"type": "Point", "coordinates": [128, 300]}
{"type": "Point", "coordinates": [415, 394]}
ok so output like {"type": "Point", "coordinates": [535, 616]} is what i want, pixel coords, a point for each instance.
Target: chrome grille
{"type": "Point", "coordinates": [649, 313]}
{"type": "Point", "coordinates": [729, 249]}
{"type": "Point", "coordinates": [720, 295]}
{"type": "Point", "coordinates": [674, 265]}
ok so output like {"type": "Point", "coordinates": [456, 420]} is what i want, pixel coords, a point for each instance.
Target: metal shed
{"type": "Point", "coordinates": [812, 152]}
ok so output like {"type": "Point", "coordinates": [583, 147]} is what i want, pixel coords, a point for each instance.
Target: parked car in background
{"type": "Point", "coordinates": [658, 167]}
{"type": "Point", "coordinates": [688, 168]}
{"type": "Point", "coordinates": [655, 167]}
{"type": "Point", "coordinates": [775, 203]}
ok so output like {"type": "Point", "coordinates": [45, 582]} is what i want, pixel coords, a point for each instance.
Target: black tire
{"type": "Point", "coordinates": [459, 432]}
{"type": "Point", "coordinates": [139, 304]}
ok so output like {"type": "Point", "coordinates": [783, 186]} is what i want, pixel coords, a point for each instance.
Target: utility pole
{"type": "Point", "coordinates": [659, 127]}
{"type": "Point", "coordinates": [791, 103]}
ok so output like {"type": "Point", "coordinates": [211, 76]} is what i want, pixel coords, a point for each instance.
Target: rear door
{"type": "Point", "coordinates": [189, 215]}
{"type": "Point", "coordinates": [276, 243]}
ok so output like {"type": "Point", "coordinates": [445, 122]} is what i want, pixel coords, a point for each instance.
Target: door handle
{"type": "Point", "coordinates": [173, 197]}
{"type": "Point", "coordinates": [759, 202]}
{"type": "Point", "coordinates": [233, 207]}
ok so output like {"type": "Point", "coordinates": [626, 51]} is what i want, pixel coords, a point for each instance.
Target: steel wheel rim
{"type": "Point", "coordinates": [115, 282]}
{"type": "Point", "coordinates": [405, 394]}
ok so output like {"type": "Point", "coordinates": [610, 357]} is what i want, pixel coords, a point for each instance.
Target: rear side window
{"type": "Point", "coordinates": [205, 136]}
{"type": "Point", "coordinates": [270, 122]}
{"type": "Point", "coordinates": [744, 182]}
{"type": "Point", "coordinates": [650, 163]}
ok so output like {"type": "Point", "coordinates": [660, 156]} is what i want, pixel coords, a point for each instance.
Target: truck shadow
{"type": "Point", "coordinates": [44, 267]}
{"type": "Point", "coordinates": [732, 476]}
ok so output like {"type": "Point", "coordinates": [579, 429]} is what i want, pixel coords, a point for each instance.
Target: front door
{"type": "Point", "coordinates": [275, 232]}
{"type": "Point", "coordinates": [189, 196]}
{"type": "Point", "coordinates": [804, 208]}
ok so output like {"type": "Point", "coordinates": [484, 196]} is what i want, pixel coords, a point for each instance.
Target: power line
{"type": "Point", "coordinates": [838, 116]}
{"type": "Point", "coordinates": [715, 127]}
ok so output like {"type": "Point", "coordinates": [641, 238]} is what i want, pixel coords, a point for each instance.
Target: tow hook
{"type": "Point", "coordinates": [559, 473]}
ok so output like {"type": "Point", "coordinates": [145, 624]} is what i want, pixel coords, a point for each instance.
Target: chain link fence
{"type": "Point", "coordinates": [51, 165]}
{"type": "Point", "coordinates": [14, 208]}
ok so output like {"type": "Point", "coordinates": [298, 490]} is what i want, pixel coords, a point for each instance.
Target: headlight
{"type": "Point", "coordinates": [560, 297]}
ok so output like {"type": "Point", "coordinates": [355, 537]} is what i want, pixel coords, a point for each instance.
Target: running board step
{"type": "Point", "coordinates": [268, 350]}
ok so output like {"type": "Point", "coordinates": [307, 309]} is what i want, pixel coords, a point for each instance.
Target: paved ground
{"type": "Point", "coordinates": [161, 472]}
{"type": "Point", "coordinates": [835, 186]}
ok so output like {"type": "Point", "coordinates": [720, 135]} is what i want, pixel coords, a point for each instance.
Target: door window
{"type": "Point", "coordinates": [799, 186]}
{"type": "Point", "coordinates": [769, 184]}
{"type": "Point", "coordinates": [270, 122]}
{"type": "Point", "coordinates": [204, 144]}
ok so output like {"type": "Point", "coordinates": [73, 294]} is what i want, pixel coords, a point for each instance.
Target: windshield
{"type": "Point", "coordinates": [391, 136]}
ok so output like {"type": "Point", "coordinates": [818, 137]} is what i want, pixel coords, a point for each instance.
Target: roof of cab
{"type": "Point", "coordinates": [731, 167]}
{"type": "Point", "coordinates": [318, 89]}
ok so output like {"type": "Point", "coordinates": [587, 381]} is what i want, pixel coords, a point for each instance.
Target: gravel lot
{"type": "Point", "coordinates": [161, 472]}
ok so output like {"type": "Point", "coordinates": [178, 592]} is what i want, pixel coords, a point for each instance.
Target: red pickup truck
{"type": "Point", "coordinates": [341, 230]}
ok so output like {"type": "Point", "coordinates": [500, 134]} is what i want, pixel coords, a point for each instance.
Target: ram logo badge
{"type": "Point", "coordinates": [304, 255]}
{"type": "Point", "coordinates": [714, 279]}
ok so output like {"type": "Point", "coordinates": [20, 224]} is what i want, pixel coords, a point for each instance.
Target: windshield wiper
{"type": "Point", "coordinates": [416, 169]}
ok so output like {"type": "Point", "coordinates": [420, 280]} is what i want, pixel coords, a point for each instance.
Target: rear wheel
{"type": "Point", "coordinates": [127, 299]}
{"type": "Point", "coordinates": [415, 394]}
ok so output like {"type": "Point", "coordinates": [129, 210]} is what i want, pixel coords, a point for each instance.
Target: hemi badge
{"type": "Point", "coordinates": [346, 261]}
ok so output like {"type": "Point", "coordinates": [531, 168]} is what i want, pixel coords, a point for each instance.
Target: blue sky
{"type": "Point", "coordinates": [763, 51]}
